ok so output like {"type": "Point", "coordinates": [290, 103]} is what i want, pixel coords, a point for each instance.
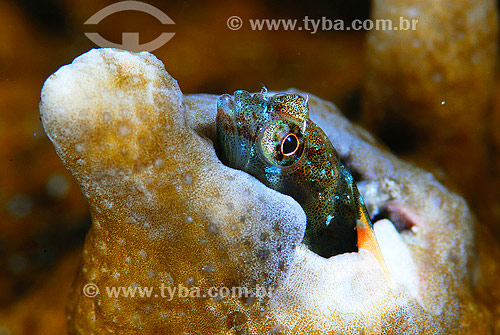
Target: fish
{"type": "Point", "coordinates": [273, 139]}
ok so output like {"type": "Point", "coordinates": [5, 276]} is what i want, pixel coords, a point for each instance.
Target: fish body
{"type": "Point", "coordinates": [273, 139]}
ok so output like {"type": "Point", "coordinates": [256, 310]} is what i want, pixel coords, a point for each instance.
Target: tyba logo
{"type": "Point", "coordinates": [130, 40]}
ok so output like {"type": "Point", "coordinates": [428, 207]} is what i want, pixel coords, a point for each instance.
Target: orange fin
{"type": "Point", "coordinates": [368, 241]}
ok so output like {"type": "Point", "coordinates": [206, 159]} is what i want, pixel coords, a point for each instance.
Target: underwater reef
{"type": "Point", "coordinates": [45, 217]}
{"type": "Point", "coordinates": [166, 211]}
{"type": "Point", "coordinates": [428, 93]}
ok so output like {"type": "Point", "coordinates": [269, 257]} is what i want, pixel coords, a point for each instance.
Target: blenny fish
{"type": "Point", "coordinates": [273, 139]}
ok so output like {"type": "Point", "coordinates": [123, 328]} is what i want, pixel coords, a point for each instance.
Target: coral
{"type": "Point", "coordinates": [44, 214]}
{"type": "Point", "coordinates": [428, 91]}
{"type": "Point", "coordinates": [166, 211]}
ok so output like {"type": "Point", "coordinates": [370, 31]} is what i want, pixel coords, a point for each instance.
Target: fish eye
{"type": "Point", "coordinates": [281, 143]}
{"type": "Point", "coordinates": [289, 145]}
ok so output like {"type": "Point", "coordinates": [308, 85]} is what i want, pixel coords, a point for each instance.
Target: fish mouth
{"type": "Point", "coordinates": [237, 127]}
{"type": "Point", "coordinates": [227, 130]}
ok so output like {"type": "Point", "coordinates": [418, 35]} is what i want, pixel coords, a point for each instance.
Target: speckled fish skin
{"type": "Point", "coordinates": [250, 133]}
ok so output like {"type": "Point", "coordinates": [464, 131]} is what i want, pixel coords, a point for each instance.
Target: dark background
{"type": "Point", "coordinates": [43, 216]}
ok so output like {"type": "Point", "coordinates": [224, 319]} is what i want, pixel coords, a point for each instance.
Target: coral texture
{"type": "Point", "coordinates": [165, 211]}
{"type": "Point", "coordinates": [428, 90]}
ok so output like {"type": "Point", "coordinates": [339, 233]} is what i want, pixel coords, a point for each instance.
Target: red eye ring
{"type": "Point", "coordinates": [289, 145]}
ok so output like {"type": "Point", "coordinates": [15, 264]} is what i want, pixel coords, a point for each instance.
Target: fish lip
{"type": "Point", "coordinates": [225, 104]}
{"type": "Point", "coordinates": [226, 108]}
{"type": "Point", "coordinates": [231, 107]}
